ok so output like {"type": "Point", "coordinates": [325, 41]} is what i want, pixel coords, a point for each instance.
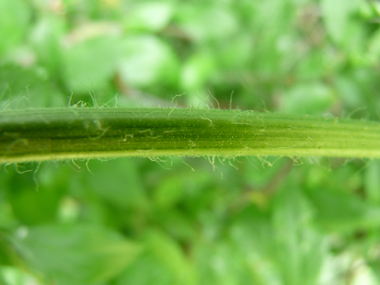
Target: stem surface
{"type": "Point", "coordinates": [84, 133]}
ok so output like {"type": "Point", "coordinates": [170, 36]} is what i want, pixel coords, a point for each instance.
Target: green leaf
{"type": "Point", "coordinates": [307, 98]}
{"type": "Point", "coordinates": [46, 38]}
{"type": "Point", "coordinates": [147, 60]}
{"type": "Point", "coordinates": [28, 88]}
{"type": "Point", "coordinates": [375, 268]}
{"type": "Point", "coordinates": [281, 245]}
{"type": "Point", "coordinates": [162, 263]}
{"type": "Point", "coordinates": [30, 206]}
{"type": "Point", "coordinates": [220, 263]}
{"type": "Point", "coordinates": [89, 65]}
{"type": "Point", "coordinates": [15, 276]}
{"type": "Point", "coordinates": [8, 254]}
{"type": "Point", "coordinates": [149, 16]}
{"type": "Point", "coordinates": [169, 192]}
{"type": "Point", "coordinates": [349, 92]}
{"type": "Point", "coordinates": [372, 181]}
{"type": "Point", "coordinates": [314, 65]}
{"type": "Point", "coordinates": [196, 72]}
{"type": "Point", "coordinates": [177, 224]}
{"type": "Point", "coordinates": [80, 254]}
{"type": "Point", "coordinates": [120, 184]}
{"type": "Point", "coordinates": [253, 236]}
{"type": "Point", "coordinates": [299, 249]}
{"type": "Point", "coordinates": [336, 15]}
{"type": "Point", "coordinates": [261, 172]}
{"type": "Point", "coordinates": [14, 21]}
{"type": "Point", "coordinates": [208, 24]}
{"type": "Point", "coordinates": [341, 211]}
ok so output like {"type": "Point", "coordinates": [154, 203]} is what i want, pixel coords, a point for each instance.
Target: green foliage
{"type": "Point", "coordinates": [135, 221]}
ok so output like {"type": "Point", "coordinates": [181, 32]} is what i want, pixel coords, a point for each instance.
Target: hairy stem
{"type": "Point", "coordinates": [84, 133]}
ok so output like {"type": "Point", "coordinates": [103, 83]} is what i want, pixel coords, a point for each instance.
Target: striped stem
{"type": "Point", "coordinates": [85, 133]}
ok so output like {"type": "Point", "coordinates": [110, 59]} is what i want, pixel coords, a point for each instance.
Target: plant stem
{"type": "Point", "coordinates": [85, 133]}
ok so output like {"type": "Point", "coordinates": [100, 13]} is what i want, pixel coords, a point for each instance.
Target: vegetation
{"type": "Point", "coordinates": [85, 81]}
{"type": "Point", "coordinates": [85, 133]}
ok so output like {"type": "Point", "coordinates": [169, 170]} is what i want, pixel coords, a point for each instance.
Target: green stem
{"type": "Point", "coordinates": [84, 133]}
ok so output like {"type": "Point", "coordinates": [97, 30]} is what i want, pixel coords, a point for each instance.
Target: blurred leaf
{"type": "Point", "coordinates": [80, 254]}
{"type": "Point", "coordinates": [210, 24]}
{"type": "Point", "coordinates": [14, 21]}
{"type": "Point", "coordinates": [149, 16]}
{"type": "Point", "coordinates": [311, 98]}
{"type": "Point", "coordinates": [348, 92]}
{"type": "Point", "coordinates": [274, 42]}
{"type": "Point", "coordinates": [261, 172]}
{"type": "Point", "coordinates": [200, 193]}
{"type": "Point", "coordinates": [220, 263]}
{"type": "Point", "coordinates": [252, 234]}
{"type": "Point", "coordinates": [29, 205]}
{"type": "Point", "coordinates": [375, 266]}
{"type": "Point", "coordinates": [90, 64]}
{"type": "Point", "coordinates": [374, 46]}
{"type": "Point", "coordinates": [341, 211]}
{"type": "Point", "coordinates": [28, 88]}
{"type": "Point", "coordinates": [177, 224]}
{"type": "Point", "coordinates": [314, 65]}
{"type": "Point", "coordinates": [119, 184]}
{"type": "Point", "coordinates": [234, 55]}
{"type": "Point", "coordinates": [299, 250]}
{"type": "Point", "coordinates": [161, 263]}
{"type": "Point", "coordinates": [372, 181]}
{"type": "Point", "coordinates": [144, 271]}
{"type": "Point", "coordinates": [169, 192]}
{"type": "Point", "coordinates": [45, 38]}
{"type": "Point", "coordinates": [8, 255]}
{"type": "Point", "coordinates": [336, 14]}
{"type": "Point", "coordinates": [14, 276]}
{"type": "Point", "coordinates": [8, 221]}
{"type": "Point", "coordinates": [147, 60]}
{"type": "Point", "coordinates": [196, 71]}
{"type": "Point", "coordinates": [281, 246]}
{"type": "Point", "coordinates": [355, 42]}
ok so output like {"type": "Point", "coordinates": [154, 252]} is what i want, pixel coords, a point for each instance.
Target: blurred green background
{"type": "Point", "coordinates": [249, 220]}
